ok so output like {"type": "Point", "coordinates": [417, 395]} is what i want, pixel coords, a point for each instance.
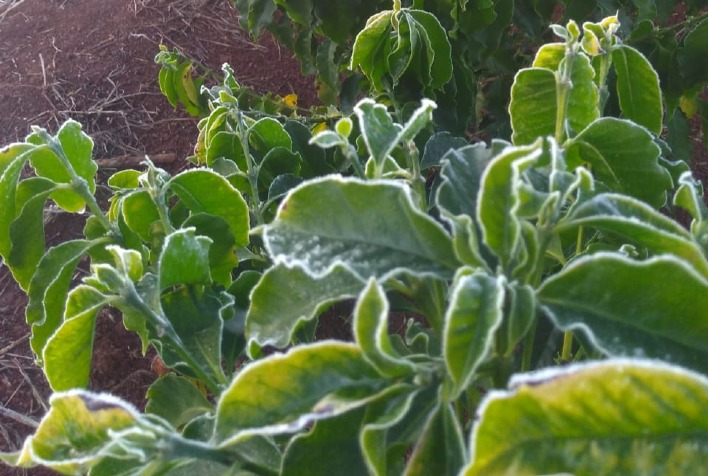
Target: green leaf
{"type": "Point", "coordinates": [316, 229]}
{"type": "Point", "coordinates": [498, 199]}
{"type": "Point", "coordinates": [49, 288]}
{"type": "Point", "coordinates": [381, 134]}
{"type": "Point", "coordinates": [382, 443]}
{"type": "Point", "coordinates": [638, 88]}
{"type": "Point", "coordinates": [331, 447]}
{"type": "Point", "coordinates": [67, 354]}
{"type": "Point", "coordinates": [283, 393]}
{"type": "Point", "coordinates": [12, 161]}
{"type": "Point", "coordinates": [184, 259]}
{"type": "Point", "coordinates": [691, 56]}
{"type": "Point", "coordinates": [440, 449]}
{"type": "Point", "coordinates": [77, 148]}
{"type": "Point", "coordinates": [177, 400]}
{"type": "Point", "coordinates": [140, 212]}
{"type": "Point", "coordinates": [533, 105]}
{"type": "Point", "coordinates": [27, 230]}
{"type": "Point", "coordinates": [473, 316]}
{"type": "Point", "coordinates": [222, 253]}
{"type": "Point", "coordinates": [204, 191]}
{"type": "Point", "coordinates": [638, 223]}
{"type": "Point", "coordinates": [461, 174]}
{"type": "Point", "coordinates": [617, 417]}
{"type": "Point", "coordinates": [198, 319]}
{"type": "Point", "coordinates": [438, 51]}
{"type": "Point", "coordinates": [584, 96]}
{"type": "Point", "coordinates": [624, 156]}
{"type": "Point", "coordinates": [369, 45]}
{"type": "Point", "coordinates": [284, 297]}
{"type": "Point", "coordinates": [255, 14]}
{"type": "Point", "coordinates": [371, 332]}
{"type": "Point", "coordinates": [653, 308]}
{"type": "Point", "coordinates": [268, 133]}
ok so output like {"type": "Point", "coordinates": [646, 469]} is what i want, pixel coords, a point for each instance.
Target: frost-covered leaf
{"type": "Point", "coordinates": [286, 296]}
{"type": "Point", "coordinates": [498, 199]}
{"type": "Point", "coordinates": [286, 392]}
{"type": "Point", "coordinates": [473, 316]}
{"type": "Point", "coordinates": [616, 417]}
{"type": "Point", "coordinates": [371, 332]}
{"type": "Point", "coordinates": [624, 156]}
{"type": "Point", "coordinates": [184, 259]}
{"type": "Point", "coordinates": [372, 228]}
{"type": "Point", "coordinates": [654, 308]}
{"type": "Point", "coordinates": [638, 223]}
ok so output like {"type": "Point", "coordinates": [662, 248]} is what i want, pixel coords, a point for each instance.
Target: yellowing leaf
{"type": "Point", "coordinates": [322, 126]}
{"type": "Point", "coordinates": [290, 100]}
{"type": "Point", "coordinates": [688, 106]}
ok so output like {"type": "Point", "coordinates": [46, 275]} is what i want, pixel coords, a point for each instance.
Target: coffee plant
{"type": "Point", "coordinates": [554, 314]}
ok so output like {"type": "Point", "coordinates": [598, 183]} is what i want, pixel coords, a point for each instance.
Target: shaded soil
{"type": "Point", "coordinates": [93, 61]}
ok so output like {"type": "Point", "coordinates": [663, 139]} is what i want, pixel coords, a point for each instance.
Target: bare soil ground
{"type": "Point", "coordinates": [92, 60]}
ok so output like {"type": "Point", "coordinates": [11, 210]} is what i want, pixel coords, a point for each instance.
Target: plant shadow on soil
{"type": "Point", "coordinates": [93, 61]}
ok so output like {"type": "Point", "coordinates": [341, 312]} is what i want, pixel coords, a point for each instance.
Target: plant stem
{"type": "Point", "coordinates": [563, 86]}
{"type": "Point", "coordinates": [167, 333]}
{"type": "Point", "coordinates": [252, 171]}
{"type": "Point", "coordinates": [78, 183]}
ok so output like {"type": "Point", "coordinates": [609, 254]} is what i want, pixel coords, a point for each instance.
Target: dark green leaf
{"type": "Point", "coordinates": [177, 400]}
{"type": "Point", "coordinates": [184, 259]}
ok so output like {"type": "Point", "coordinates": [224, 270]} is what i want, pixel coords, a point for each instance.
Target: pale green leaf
{"type": "Point", "coordinates": [371, 332]}
{"type": "Point", "coordinates": [285, 392]}
{"type": "Point", "coordinates": [27, 230]}
{"type": "Point", "coordinates": [624, 156]}
{"type": "Point", "coordinates": [461, 174]}
{"type": "Point", "coordinates": [473, 316]}
{"type": "Point", "coordinates": [584, 96]}
{"type": "Point", "coordinates": [654, 308]}
{"type": "Point", "coordinates": [284, 297]}
{"type": "Point", "coordinates": [638, 223]}
{"type": "Point", "coordinates": [317, 229]}
{"type": "Point", "coordinates": [184, 259]}
{"type": "Point", "coordinates": [49, 288]}
{"type": "Point", "coordinates": [369, 45]}
{"type": "Point", "coordinates": [74, 435]}
{"type": "Point", "coordinates": [381, 134]}
{"type": "Point", "coordinates": [12, 161]}
{"type": "Point", "coordinates": [177, 400]}
{"type": "Point", "coordinates": [204, 191]}
{"type": "Point", "coordinates": [628, 417]}
{"type": "Point", "coordinates": [498, 199]}
{"type": "Point", "coordinates": [533, 105]}
{"type": "Point", "coordinates": [140, 214]}
{"type": "Point", "coordinates": [638, 88]}
{"type": "Point", "coordinates": [67, 353]}
{"type": "Point", "coordinates": [77, 149]}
